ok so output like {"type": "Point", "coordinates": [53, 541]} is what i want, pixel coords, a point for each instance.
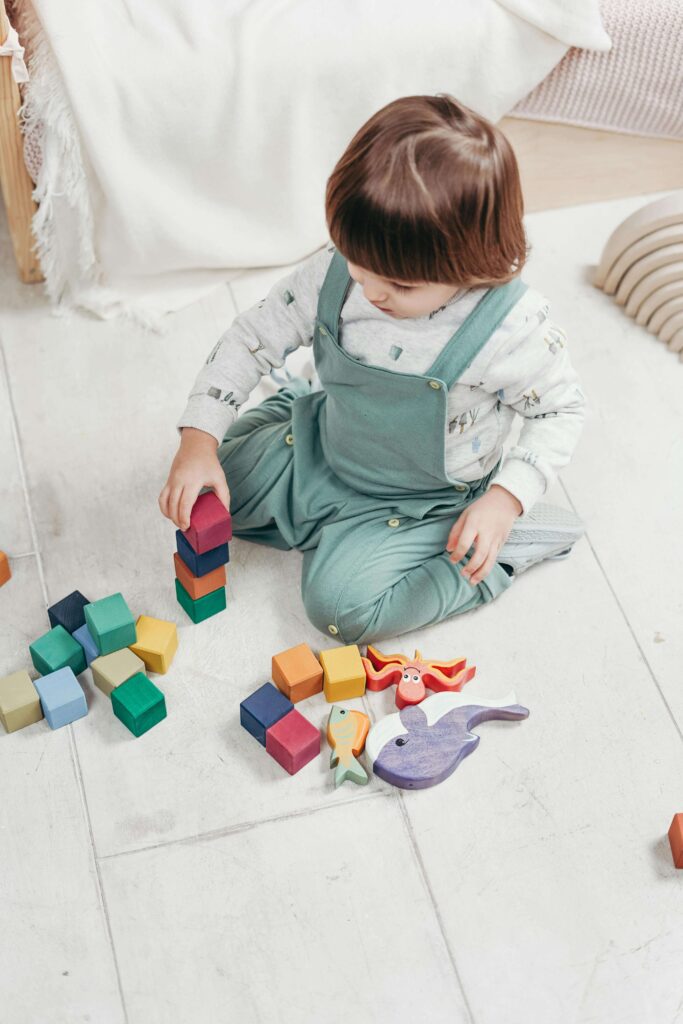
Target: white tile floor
{"type": "Point", "coordinates": [184, 877]}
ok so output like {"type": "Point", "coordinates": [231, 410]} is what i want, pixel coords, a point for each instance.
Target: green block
{"type": "Point", "coordinates": [110, 623]}
{"type": "Point", "coordinates": [138, 703]}
{"type": "Point", "coordinates": [57, 649]}
{"type": "Point", "coordinates": [205, 607]}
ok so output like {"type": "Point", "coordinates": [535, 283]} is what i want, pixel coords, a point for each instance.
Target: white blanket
{"type": "Point", "coordinates": [184, 141]}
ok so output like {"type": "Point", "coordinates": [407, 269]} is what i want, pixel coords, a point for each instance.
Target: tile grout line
{"type": "Point", "coordinates": [242, 826]}
{"type": "Point", "coordinates": [72, 740]}
{"type": "Point", "coordinates": [629, 626]}
{"type": "Point", "coordinates": [412, 838]}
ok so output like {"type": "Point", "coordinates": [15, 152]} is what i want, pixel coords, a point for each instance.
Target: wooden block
{"type": "Point", "coordinates": [110, 670]}
{"type": "Point", "coordinates": [61, 697]}
{"type": "Point", "coordinates": [5, 571]}
{"type": "Point", "coordinates": [262, 709]}
{"type": "Point", "coordinates": [297, 672]}
{"type": "Point", "coordinates": [139, 704]}
{"type": "Point", "coordinates": [210, 524]}
{"type": "Point", "coordinates": [205, 607]}
{"type": "Point", "coordinates": [347, 732]}
{"type": "Point", "coordinates": [344, 675]}
{"type": "Point", "coordinates": [57, 649]}
{"type": "Point", "coordinates": [200, 565]}
{"type": "Point", "coordinates": [19, 701]}
{"type": "Point", "coordinates": [86, 641]}
{"type": "Point", "coordinates": [69, 612]}
{"type": "Point", "coordinates": [676, 839]}
{"type": "Point", "coordinates": [423, 744]}
{"type": "Point", "coordinates": [293, 741]}
{"type": "Point", "coordinates": [110, 623]}
{"type": "Point", "coordinates": [156, 644]}
{"type": "Point", "coordinates": [198, 586]}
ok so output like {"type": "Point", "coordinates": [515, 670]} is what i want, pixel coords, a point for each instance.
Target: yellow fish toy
{"type": "Point", "coordinates": [346, 734]}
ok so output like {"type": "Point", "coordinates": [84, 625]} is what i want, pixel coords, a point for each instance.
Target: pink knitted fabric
{"type": "Point", "coordinates": [637, 87]}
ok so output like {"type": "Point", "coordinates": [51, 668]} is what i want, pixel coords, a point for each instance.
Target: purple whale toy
{"type": "Point", "coordinates": [422, 745]}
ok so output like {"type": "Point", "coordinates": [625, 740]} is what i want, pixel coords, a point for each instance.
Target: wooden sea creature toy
{"type": "Point", "coordinates": [413, 677]}
{"type": "Point", "coordinates": [346, 734]}
{"type": "Point", "coordinates": [421, 746]}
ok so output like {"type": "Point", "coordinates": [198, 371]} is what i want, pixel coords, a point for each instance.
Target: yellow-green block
{"type": "Point", "coordinates": [156, 644]}
{"type": "Point", "coordinates": [19, 702]}
{"type": "Point", "coordinates": [110, 670]}
{"type": "Point", "coordinates": [343, 673]}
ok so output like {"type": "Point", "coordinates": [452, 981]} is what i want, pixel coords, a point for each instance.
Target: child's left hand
{"type": "Point", "coordinates": [486, 523]}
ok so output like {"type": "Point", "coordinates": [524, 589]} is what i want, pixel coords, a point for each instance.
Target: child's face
{"type": "Point", "coordinates": [401, 299]}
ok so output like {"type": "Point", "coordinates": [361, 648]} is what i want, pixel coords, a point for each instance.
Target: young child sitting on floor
{"type": "Point", "coordinates": [387, 472]}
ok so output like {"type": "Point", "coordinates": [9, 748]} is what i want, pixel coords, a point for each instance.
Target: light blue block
{"type": "Point", "coordinates": [61, 697]}
{"type": "Point", "coordinates": [86, 641]}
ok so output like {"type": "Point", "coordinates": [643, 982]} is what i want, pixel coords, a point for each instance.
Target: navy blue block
{"type": "Point", "coordinates": [69, 612]}
{"type": "Point", "coordinates": [201, 564]}
{"type": "Point", "coordinates": [263, 708]}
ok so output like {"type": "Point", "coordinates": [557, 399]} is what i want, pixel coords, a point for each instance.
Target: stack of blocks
{"type": "Point", "coordinates": [102, 635]}
{"type": "Point", "coordinates": [201, 559]}
{"type": "Point", "coordinates": [269, 713]}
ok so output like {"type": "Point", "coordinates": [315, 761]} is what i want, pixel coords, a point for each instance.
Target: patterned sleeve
{"type": "Point", "coordinates": [532, 374]}
{"type": "Point", "coordinates": [257, 340]}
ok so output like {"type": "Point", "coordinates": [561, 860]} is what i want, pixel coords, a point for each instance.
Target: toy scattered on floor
{"type": "Point", "coordinates": [413, 677]}
{"type": "Point", "coordinates": [110, 670]}
{"type": "Point", "coordinates": [61, 697]}
{"type": "Point", "coordinates": [422, 745]}
{"type": "Point", "coordinates": [57, 649]}
{"type": "Point", "coordinates": [642, 266]}
{"type": "Point", "coordinates": [5, 571]}
{"type": "Point", "coordinates": [69, 612]}
{"type": "Point", "coordinates": [343, 673]}
{"type": "Point", "coordinates": [19, 702]}
{"type": "Point", "coordinates": [346, 733]}
{"type": "Point", "coordinates": [110, 623]}
{"type": "Point", "coordinates": [156, 643]}
{"type": "Point", "coordinates": [297, 672]}
{"type": "Point", "coordinates": [676, 839]}
{"type": "Point", "coordinates": [288, 737]}
{"type": "Point", "coordinates": [84, 638]}
{"type": "Point", "coordinates": [201, 557]}
{"type": "Point", "coordinates": [138, 703]}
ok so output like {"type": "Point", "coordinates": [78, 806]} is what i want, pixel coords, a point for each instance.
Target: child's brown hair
{"type": "Point", "coordinates": [428, 191]}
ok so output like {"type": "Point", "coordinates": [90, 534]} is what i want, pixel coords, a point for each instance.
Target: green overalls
{"type": "Point", "coordinates": [354, 476]}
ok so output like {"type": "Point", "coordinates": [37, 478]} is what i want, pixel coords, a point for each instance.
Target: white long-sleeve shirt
{"type": "Point", "coordinates": [523, 368]}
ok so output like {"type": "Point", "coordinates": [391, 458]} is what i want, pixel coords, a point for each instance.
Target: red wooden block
{"type": "Point", "coordinates": [210, 524]}
{"type": "Point", "coordinates": [676, 839]}
{"type": "Point", "coordinates": [293, 741]}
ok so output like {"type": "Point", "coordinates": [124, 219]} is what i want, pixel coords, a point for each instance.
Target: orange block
{"type": "Point", "coordinates": [297, 672]}
{"type": "Point", "coordinates": [5, 571]}
{"type": "Point", "coordinates": [198, 586]}
{"type": "Point", "coordinates": [676, 839]}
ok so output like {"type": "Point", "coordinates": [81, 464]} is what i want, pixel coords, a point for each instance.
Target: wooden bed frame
{"type": "Point", "coordinates": [561, 165]}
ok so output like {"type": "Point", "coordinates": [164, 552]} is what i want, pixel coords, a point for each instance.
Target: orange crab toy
{"type": "Point", "coordinates": [414, 677]}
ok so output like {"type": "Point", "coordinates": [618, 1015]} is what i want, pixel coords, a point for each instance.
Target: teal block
{"type": "Point", "coordinates": [205, 607]}
{"type": "Point", "coordinates": [111, 624]}
{"type": "Point", "coordinates": [138, 703]}
{"type": "Point", "coordinates": [57, 649]}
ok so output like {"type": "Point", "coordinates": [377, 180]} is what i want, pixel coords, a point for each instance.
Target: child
{"type": "Point", "coordinates": [388, 476]}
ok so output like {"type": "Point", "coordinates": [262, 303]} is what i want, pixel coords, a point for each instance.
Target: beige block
{"type": "Point", "coordinates": [157, 642]}
{"type": "Point", "coordinates": [19, 702]}
{"type": "Point", "coordinates": [110, 670]}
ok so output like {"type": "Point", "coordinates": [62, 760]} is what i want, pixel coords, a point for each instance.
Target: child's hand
{"type": "Point", "coordinates": [486, 523]}
{"type": "Point", "coordinates": [194, 466]}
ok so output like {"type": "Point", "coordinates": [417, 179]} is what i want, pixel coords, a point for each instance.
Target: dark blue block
{"type": "Point", "coordinates": [69, 612]}
{"type": "Point", "coordinates": [263, 708]}
{"type": "Point", "coordinates": [201, 564]}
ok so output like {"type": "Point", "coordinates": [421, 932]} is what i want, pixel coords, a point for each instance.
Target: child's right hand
{"type": "Point", "coordinates": [194, 466]}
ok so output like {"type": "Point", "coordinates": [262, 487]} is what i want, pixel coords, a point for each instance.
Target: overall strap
{"type": "Point", "coordinates": [475, 331]}
{"type": "Point", "coordinates": [333, 293]}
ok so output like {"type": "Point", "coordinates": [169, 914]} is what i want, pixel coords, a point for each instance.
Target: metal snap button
{"type": "Point", "coordinates": [435, 384]}
{"type": "Point", "coordinates": [333, 630]}
{"type": "Point", "coordinates": [289, 439]}
{"type": "Point", "coordinates": [461, 487]}
{"type": "Point", "coordinates": [393, 522]}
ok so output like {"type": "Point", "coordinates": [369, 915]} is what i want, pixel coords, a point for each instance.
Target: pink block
{"type": "Point", "coordinates": [293, 741]}
{"type": "Point", "coordinates": [210, 524]}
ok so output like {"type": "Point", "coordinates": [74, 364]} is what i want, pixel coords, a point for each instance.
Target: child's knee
{"type": "Point", "coordinates": [336, 611]}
